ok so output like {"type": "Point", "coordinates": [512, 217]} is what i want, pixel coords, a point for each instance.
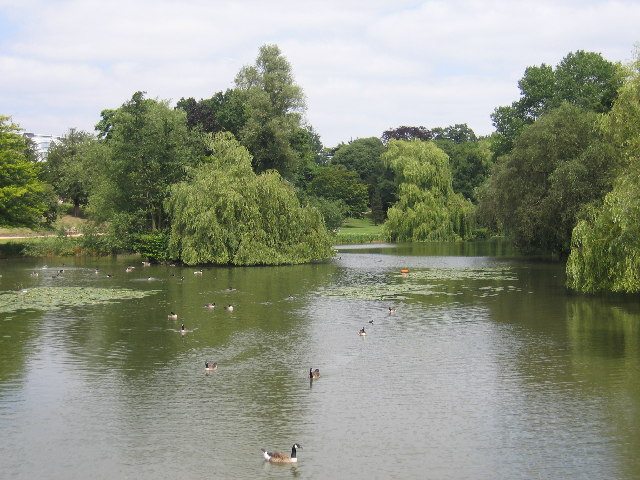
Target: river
{"type": "Point", "coordinates": [488, 369]}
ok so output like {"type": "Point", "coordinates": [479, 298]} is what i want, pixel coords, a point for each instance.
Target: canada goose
{"type": "Point", "coordinates": [362, 333]}
{"type": "Point", "coordinates": [314, 373]}
{"type": "Point", "coordinates": [277, 457]}
{"type": "Point", "coordinates": [146, 264]}
{"type": "Point", "coordinates": [97, 271]}
{"type": "Point", "coordinates": [371, 321]}
{"type": "Point", "coordinates": [34, 274]}
{"type": "Point", "coordinates": [210, 306]}
{"type": "Point", "coordinates": [229, 308]}
{"type": "Point", "coordinates": [129, 269]}
{"type": "Point", "coordinates": [172, 316]}
{"type": "Point", "coordinates": [198, 272]}
{"type": "Point", "coordinates": [393, 309]}
{"type": "Point", "coordinates": [183, 330]}
{"type": "Point", "coordinates": [210, 367]}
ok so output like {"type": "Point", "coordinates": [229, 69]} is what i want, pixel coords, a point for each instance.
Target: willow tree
{"type": "Point", "coordinates": [605, 247]}
{"type": "Point", "coordinates": [226, 214]}
{"type": "Point", "coordinates": [427, 208]}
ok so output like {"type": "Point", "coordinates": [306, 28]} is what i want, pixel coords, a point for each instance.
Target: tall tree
{"type": "Point", "coordinates": [427, 208]}
{"type": "Point", "coordinates": [226, 214]}
{"type": "Point", "coordinates": [148, 147]}
{"type": "Point", "coordinates": [24, 198]}
{"type": "Point", "coordinates": [582, 78]}
{"type": "Point", "coordinates": [274, 106]}
{"type": "Point", "coordinates": [66, 170]}
{"type": "Point", "coordinates": [222, 112]}
{"type": "Point", "coordinates": [558, 165]}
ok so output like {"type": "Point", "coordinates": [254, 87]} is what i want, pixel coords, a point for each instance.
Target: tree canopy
{"type": "Point", "coordinates": [226, 214]}
{"type": "Point", "coordinates": [147, 147]}
{"type": "Point", "coordinates": [605, 244]}
{"type": "Point", "coordinates": [558, 166]}
{"type": "Point", "coordinates": [273, 106]}
{"type": "Point", "coordinates": [24, 198]}
{"type": "Point", "coordinates": [584, 79]}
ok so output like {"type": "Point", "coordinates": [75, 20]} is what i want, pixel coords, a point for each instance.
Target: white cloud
{"type": "Point", "coordinates": [364, 66]}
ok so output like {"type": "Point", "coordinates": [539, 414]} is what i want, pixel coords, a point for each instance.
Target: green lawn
{"type": "Point", "coordinates": [359, 230]}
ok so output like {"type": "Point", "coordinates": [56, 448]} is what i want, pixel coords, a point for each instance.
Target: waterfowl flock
{"type": "Point", "coordinates": [272, 457]}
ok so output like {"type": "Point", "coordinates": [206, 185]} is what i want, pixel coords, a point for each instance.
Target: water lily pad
{"type": "Point", "coordinates": [55, 298]}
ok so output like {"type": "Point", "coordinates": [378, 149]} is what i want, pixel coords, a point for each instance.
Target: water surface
{"type": "Point", "coordinates": [489, 369]}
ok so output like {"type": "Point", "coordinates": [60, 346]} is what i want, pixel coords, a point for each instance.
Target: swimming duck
{"type": "Point", "coordinates": [362, 333]}
{"type": "Point", "coordinates": [229, 308]}
{"type": "Point", "coordinates": [393, 309]}
{"type": "Point", "coordinates": [210, 306]}
{"type": "Point", "coordinates": [277, 457]}
{"type": "Point", "coordinates": [210, 367]}
{"type": "Point", "coordinates": [314, 373]}
{"type": "Point", "coordinates": [172, 316]}
{"type": "Point", "coordinates": [371, 321]}
{"type": "Point", "coordinates": [183, 330]}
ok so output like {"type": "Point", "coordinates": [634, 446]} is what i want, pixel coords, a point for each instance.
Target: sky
{"type": "Point", "coordinates": [364, 66]}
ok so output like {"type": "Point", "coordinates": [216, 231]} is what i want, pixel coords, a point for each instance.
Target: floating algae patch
{"type": "Point", "coordinates": [493, 273]}
{"type": "Point", "coordinates": [55, 298]}
{"type": "Point", "coordinates": [432, 281]}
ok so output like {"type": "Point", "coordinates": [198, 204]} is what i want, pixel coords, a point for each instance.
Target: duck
{"type": "Point", "coordinates": [229, 308]}
{"type": "Point", "coordinates": [183, 330]}
{"type": "Point", "coordinates": [198, 272]}
{"type": "Point", "coordinates": [34, 274]}
{"type": "Point", "coordinates": [362, 333]}
{"type": "Point", "coordinates": [210, 306]}
{"type": "Point", "coordinates": [314, 373]}
{"type": "Point", "coordinates": [277, 457]}
{"type": "Point", "coordinates": [129, 269]}
{"type": "Point", "coordinates": [210, 367]}
{"type": "Point", "coordinates": [172, 316]}
{"type": "Point", "coordinates": [146, 264]}
{"type": "Point", "coordinates": [371, 321]}
{"type": "Point", "coordinates": [393, 309]}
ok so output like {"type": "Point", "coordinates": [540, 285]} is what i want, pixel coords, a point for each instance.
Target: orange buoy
{"type": "Point", "coordinates": [404, 271]}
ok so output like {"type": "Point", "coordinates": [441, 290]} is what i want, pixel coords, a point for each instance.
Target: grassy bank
{"type": "Point", "coordinates": [359, 230]}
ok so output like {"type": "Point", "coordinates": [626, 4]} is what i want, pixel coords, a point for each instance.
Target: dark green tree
{"type": "Point", "coordinates": [273, 105]}
{"type": "Point", "coordinates": [66, 169]}
{"type": "Point", "coordinates": [148, 148]}
{"type": "Point", "coordinates": [582, 78]}
{"type": "Point", "coordinates": [335, 182]}
{"type": "Point", "coordinates": [558, 166]}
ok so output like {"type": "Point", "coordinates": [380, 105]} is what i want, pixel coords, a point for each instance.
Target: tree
{"type": "Point", "coordinates": [226, 214]}
{"type": "Point", "coordinates": [273, 105]}
{"type": "Point", "coordinates": [582, 78]}
{"type": "Point", "coordinates": [427, 208]}
{"type": "Point", "coordinates": [222, 112]}
{"type": "Point", "coordinates": [605, 244]}
{"type": "Point", "coordinates": [335, 182]}
{"type": "Point", "coordinates": [361, 155]}
{"type": "Point", "coordinates": [406, 133]}
{"type": "Point", "coordinates": [558, 166]}
{"type": "Point", "coordinates": [24, 198]}
{"type": "Point", "coordinates": [148, 148]}
{"type": "Point", "coordinates": [458, 133]}
{"type": "Point", "coordinates": [66, 170]}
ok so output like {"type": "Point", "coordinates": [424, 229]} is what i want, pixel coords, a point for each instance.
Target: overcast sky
{"type": "Point", "coordinates": [365, 66]}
